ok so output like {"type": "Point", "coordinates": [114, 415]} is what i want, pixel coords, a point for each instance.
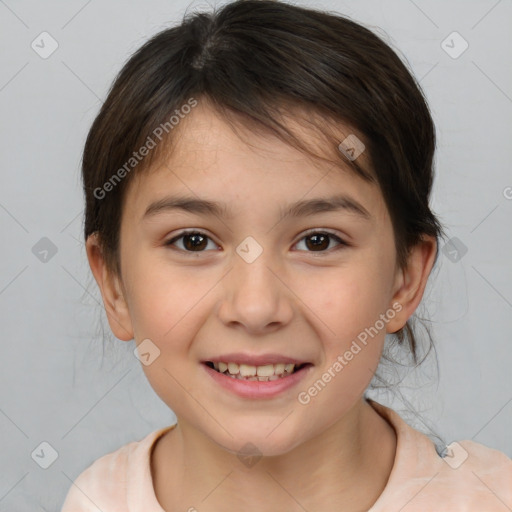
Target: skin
{"type": "Point", "coordinates": [294, 299]}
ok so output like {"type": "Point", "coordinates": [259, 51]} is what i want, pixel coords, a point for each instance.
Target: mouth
{"type": "Point", "coordinates": [261, 373]}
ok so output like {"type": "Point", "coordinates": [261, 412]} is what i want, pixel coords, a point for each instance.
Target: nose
{"type": "Point", "coordinates": [255, 296]}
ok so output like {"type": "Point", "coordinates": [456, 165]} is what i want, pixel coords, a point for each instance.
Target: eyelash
{"type": "Point", "coordinates": [341, 242]}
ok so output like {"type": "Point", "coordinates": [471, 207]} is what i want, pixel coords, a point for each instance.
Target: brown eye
{"type": "Point", "coordinates": [316, 241]}
{"type": "Point", "coordinates": [193, 241]}
{"type": "Point", "coordinates": [319, 241]}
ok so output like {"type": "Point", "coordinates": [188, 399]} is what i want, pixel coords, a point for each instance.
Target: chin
{"type": "Point", "coordinates": [255, 440]}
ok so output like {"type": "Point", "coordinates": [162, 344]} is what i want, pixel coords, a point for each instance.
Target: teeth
{"type": "Point", "coordinates": [289, 368]}
{"type": "Point", "coordinates": [279, 369]}
{"type": "Point", "coordinates": [233, 368]}
{"type": "Point", "coordinates": [251, 372]}
{"type": "Point", "coordinates": [265, 371]}
{"type": "Point", "coordinates": [247, 370]}
{"type": "Point", "coordinates": [261, 379]}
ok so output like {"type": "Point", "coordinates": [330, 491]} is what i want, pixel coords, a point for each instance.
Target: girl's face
{"type": "Point", "coordinates": [256, 283]}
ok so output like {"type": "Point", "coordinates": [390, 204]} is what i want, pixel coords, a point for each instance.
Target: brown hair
{"type": "Point", "coordinates": [254, 61]}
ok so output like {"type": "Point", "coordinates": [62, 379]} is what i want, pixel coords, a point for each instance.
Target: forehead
{"type": "Point", "coordinates": [206, 130]}
{"type": "Point", "coordinates": [211, 158]}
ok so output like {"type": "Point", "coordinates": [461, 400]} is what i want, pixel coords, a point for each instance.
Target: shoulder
{"type": "Point", "coordinates": [102, 484]}
{"type": "Point", "coordinates": [484, 472]}
{"type": "Point", "coordinates": [105, 484]}
{"type": "Point", "coordinates": [469, 477]}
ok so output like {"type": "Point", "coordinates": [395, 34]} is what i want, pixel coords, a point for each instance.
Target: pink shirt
{"type": "Point", "coordinates": [471, 477]}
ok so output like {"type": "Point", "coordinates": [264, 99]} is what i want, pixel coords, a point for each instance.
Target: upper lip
{"type": "Point", "coordinates": [255, 360]}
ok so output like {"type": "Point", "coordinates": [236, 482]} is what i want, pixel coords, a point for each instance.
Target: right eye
{"type": "Point", "coordinates": [193, 241]}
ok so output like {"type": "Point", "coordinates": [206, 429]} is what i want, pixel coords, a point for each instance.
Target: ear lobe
{"type": "Point", "coordinates": [110, 287]}
{"type": "Point", "coordinates": [411, 281]}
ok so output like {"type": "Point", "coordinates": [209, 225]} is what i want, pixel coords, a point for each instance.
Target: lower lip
{"type": "Point", "coordinates": [255, 388]}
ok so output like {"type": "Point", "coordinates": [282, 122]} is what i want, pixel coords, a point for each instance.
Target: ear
{"type": "Point", "coordinates": [410, 282]}
{"type": "Point", "coordinates": [111, 291]}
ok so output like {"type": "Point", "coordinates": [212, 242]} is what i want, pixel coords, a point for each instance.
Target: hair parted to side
{"type": "Point", "coordinates": [255, 62]}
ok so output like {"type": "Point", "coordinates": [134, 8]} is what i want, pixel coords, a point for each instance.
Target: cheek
{"type": "Point", "coordinates": [167, 307]}
{"type": "Point", "coordinates": [347, 300]}
{"type": "Point", "coordinates": [351, 308]}
{"type": "Point", "coordinates": [355, 306]}
{"type": "Point", "coordinates": [163, 298]}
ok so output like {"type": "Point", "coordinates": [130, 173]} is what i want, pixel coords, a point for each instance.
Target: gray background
{"type": "Point", "coordinates": [54, 387]}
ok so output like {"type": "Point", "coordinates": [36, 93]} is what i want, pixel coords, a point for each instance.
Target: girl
{"type": "Point", "coordinates": [257, 219]}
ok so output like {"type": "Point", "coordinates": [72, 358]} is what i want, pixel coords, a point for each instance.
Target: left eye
{"type": "Point", "coordinates": [196, 241]}
{"type": "Point", "coordinates": [318, 240]}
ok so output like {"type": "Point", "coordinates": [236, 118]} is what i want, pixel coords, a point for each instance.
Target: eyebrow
{"type": "Point", "coordinates": [301, 208]}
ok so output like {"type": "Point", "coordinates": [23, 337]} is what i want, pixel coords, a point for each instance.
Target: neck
{"type": "Point", "coordinates": [348, 463]}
